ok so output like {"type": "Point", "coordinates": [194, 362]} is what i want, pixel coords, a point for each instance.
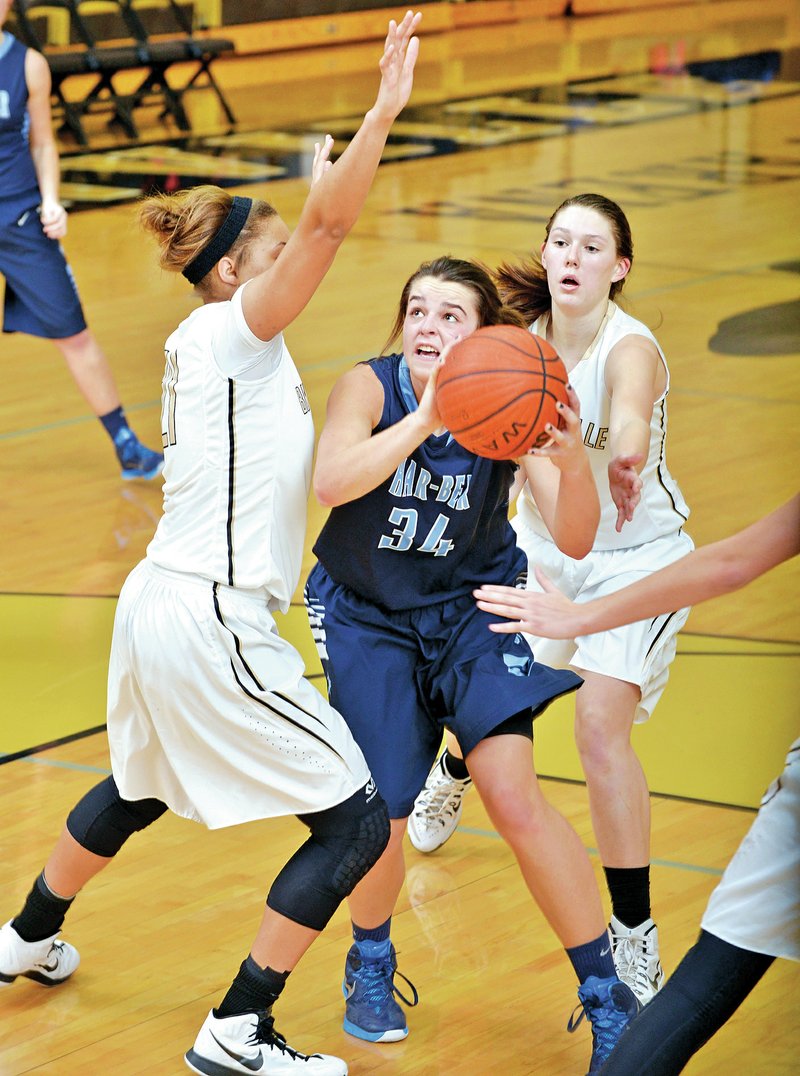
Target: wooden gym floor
{"type": "Point", "coordinates": [709, 173]}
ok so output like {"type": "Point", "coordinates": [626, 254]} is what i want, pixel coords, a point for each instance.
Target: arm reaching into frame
{"type": "Point", "coordinates": [711, 570]}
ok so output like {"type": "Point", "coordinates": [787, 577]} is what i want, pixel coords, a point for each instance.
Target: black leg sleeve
{"type": "Point", "coordinates": [707, 988]}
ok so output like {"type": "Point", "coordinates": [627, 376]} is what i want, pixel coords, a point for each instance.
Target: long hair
{"type": "Point", "coordinates": [470, 274]}
{"type": "Point", "coordinates": [524, 286]}
{"type": "Point", "coordinates": [184, 223]}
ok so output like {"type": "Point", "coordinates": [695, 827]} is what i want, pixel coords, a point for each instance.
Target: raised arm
{"type": "Point", "coordinates": [712, 570]}
{"type": "Point", "coordinates": [273, 299]}
{"type": "Point", "coordinates": [44, 151]}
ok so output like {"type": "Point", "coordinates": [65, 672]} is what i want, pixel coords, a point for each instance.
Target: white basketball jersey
{"type": "Point", "coordinates": [237, 455]}
{"type": "Point", "coordinates": [662, 510]}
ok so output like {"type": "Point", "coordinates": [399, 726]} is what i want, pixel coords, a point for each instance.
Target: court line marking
{"type": "Point", "coordinates": [490, 834]}
{"type": "Point", "coordinates": [76, 766]}
{"type": "Point", "coordinates": [79, 420]}
{"type": "Point", "coordinates": [337, 363]}
{"type": "Point", "coordinates": [676, 865]}
{"type": "Point", "coordinates": [783, 644]}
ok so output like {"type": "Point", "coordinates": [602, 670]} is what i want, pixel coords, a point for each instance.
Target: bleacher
{"type": "Point", "coordinates": [117, 57]}
{"type": "Point", "coordinates": [89, 44]}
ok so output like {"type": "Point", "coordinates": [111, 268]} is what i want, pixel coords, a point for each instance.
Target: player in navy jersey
{"type": "Point", "coordinates": [209, 711]}
{"type": "Point", "coordinates": [41, 298]}
{"type": "Point", "coordinates": [620, 375]}
{"type": "Point", "coordinates": [415, 521]}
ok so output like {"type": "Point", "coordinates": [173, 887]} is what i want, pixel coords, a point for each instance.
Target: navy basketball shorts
{"type": "Point", "coordinates": [399, 677]}
{"type": "Point", "coordinates": [41, 298]}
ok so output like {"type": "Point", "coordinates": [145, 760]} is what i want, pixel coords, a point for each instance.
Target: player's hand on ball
{"type": "Point", "coordinates": [428, 412]}
{"type": "Point", "coordinates": [565, 447]}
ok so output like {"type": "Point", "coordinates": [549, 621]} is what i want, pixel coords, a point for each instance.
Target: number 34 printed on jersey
{"type": "Point", "coordinates": [417, 482]}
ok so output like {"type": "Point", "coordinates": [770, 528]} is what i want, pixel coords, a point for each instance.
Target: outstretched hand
{"type": "Point", "coordinates": [550, 614]}
{"type": "Point", "coordinates": [626, 487]}
{"type": "Point", "coordinates": [397, 66]}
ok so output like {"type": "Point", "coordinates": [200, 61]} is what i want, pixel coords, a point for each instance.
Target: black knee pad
{"type": "Point", "coordinates": [102, 821]}
{"type": "Point", "coordinates": [345, 842]}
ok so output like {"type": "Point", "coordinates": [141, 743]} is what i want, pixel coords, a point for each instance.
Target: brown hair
{"type": "Point", "coordinates": [524, 286]}
{"type": "Point", "coordinates": [471, 274]}
{"type": "Point", "coordinates": [184, 223]}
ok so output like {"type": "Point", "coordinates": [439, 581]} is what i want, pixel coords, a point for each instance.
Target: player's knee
{"type": "Point", "coordinates": [523, 823]}
{"type": "Point", "coordinates": [102, 821]}
{"type": "Point", "coordinates": [594, 747]}
{"type": "Point", "coordinates": [345, 842]}
{"type": "Point", "coordinates": [368, 836]}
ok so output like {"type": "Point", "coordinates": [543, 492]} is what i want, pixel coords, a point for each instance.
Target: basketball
{"type": "Point", "coordinates": [497, 390]}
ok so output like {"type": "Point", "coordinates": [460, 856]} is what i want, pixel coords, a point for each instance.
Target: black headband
{"type": "Point", "coordinates": [222, 242]}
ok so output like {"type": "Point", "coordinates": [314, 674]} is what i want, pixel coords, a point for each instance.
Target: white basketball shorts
{"type": "Point", "coordinates": [757, 903]}
{"type": "Point", "coordinates": [209, 710]}
{"type": "Point", "coordinates": [639, 653]}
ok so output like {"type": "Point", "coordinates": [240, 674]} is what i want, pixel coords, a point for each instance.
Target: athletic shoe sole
{"type": "Point", "coordinates": [393, 1035]}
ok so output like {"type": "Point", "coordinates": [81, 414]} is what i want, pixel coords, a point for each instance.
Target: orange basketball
{"type": "Point", "coordinates": [498, 389]}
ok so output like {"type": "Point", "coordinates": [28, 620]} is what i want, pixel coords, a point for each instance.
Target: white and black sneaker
{"type": "Point", "coordinates": [636, 957]}
{"type": "Point", "coordinates": [437, 809]}
{"type": "Point", "coordinates": [249, 1043]}
{"type": "Point", "coordinates": [49, 961]}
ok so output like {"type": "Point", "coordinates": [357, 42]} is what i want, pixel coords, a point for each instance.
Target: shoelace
{"type": "Point", "coordinates": [377, 975]}
{"type": "Point", "coordinates": [266, 1035]}
{"type": "Point", "coordinates": [442, 798]}
{"type": "Point", "coordinates": [606, 1022]}
{"type": "Point", "coordinates": [632, 957]}
{"type": "Point", "coordinates": [625, 957]}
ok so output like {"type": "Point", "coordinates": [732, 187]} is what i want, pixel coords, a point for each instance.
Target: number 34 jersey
{"type": "Point", "coordinates": [434, 530]}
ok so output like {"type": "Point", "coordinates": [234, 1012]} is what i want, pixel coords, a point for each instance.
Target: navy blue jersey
{"type": "Point", "coordinates": [434, 530]}
{"type": "Point", "coordinates": [18, 181]}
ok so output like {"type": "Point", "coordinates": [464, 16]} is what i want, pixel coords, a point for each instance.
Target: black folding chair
{"type": "Point", "coordinates": [66, 59]}
{"type": "Point", "coordinates": [177, 23]}
{"type": "Point", "coordinates": [124, 47]}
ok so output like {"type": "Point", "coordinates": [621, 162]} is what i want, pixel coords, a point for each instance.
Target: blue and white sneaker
{"type": "Point", "coordinates": [371, 1011]}
{"type": "Point", "coordinates": [136, 460]}
{"type": "Point", "coordinates": [609, 1006]}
